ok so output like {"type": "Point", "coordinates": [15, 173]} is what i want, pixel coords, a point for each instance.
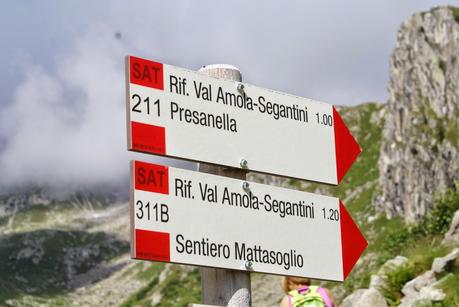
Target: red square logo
{"type": "Point", "coordinates": [148, 138]}
{"type": "Point", "coordinates": [152, 245]}
{"type": "Point", "coordinates": [151, 177]}
{"type": "Point", "coordinates": [146, 73]}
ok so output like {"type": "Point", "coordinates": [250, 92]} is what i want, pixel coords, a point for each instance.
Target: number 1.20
{"type": "Point", "coordinates": [332, 214]}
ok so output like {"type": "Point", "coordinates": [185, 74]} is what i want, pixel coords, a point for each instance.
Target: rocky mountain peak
{"type": "Point", "coordinates": [419, 152]}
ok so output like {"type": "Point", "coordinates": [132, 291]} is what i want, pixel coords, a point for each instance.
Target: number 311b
{"type": "Point", "coordinates": [157, 212]}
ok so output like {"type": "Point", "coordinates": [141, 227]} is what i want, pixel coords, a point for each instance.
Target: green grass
{"type": "Point", "coordinates": [357, 281]}
{"type": "Point", "coordinates": [445, 129]}
{"type": "Point", "coordinates": [180, 288]}
{"type": "Point", "coordinates": [455, 11]}
{"type": "Point", "coordinates": [33, 215]}
{"type": "Point", "coordinates": [368, 136]}
{"type": "Point", "coordinates": [43, 300]}
{"type": "Point", "coordinates": [152, 271]}
{"type": "Point", "coordinates": [148, 272]}
{"type": "Point", "coordinates": [385, 228]}
{"type": "Point", "coordinates": [3, 220]}
{"type": "Point", "coordinates": [395, 280]}
{"type": "Point", "coordinates": [449, 285]}
{"type": "Point", "coordinates": [423, 251]}
{"type": "Point", "coordinates": [442, 65]}
{"type": "Point", "coordinates": [142, 270]}
{"type": "Point", "coordinates": [141, 297]}
{"type": "Point", "coordinates": [362, 202]}
{"type": "Point", "coordinates": [451, 133]}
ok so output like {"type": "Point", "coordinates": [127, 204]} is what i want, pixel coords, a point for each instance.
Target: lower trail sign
{"type": "Point", "coordinates": [186, 217]}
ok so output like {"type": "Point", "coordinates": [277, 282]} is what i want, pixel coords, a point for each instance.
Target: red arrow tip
{"type": "Point", "coordinates": [353, 243]}
{"type": "Point", "coordinates": [346, 147]}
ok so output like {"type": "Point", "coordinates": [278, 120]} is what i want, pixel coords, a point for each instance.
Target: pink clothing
{"type": "Point", "coordinates": [323, 293]}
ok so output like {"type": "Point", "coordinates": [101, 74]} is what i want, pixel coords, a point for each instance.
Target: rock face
{"type": "Point", "coordinates": [419, 151]}
{"type": "Point", "coordinates": [425, 289]}
{"type": "Point", "coordinates": [414, 286]}
{"type": "Point", "coordinates": [440, 264]}
{"type": "Point", "coordinates": [364, 298]}
{"type": "Point", "coordinates": [452, 236]}
{"type": "Point", "coordinates": [378, 281]}
{"type": "Point", "coordinates": [421, 289]}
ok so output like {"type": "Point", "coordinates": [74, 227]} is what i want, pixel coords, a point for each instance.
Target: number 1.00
{"type": "Point", "coordinates": [325, 119]}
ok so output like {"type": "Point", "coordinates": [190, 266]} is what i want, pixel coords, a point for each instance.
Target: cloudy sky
{"type": "Point", "coordinates": [62, 114]}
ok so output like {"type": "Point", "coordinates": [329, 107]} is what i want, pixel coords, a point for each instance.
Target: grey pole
{"type": "Point", "coordinates": [219, 286]}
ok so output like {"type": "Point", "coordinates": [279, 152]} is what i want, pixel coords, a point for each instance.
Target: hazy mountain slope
{"type": "Point", "coordinates": [49, 247]}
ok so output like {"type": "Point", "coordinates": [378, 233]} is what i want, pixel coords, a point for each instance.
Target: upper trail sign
{"type": "Point", "coordinates": [185, 114]}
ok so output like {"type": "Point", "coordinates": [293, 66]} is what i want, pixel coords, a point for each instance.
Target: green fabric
{"type": "Point", "coordinates": [309, 298]}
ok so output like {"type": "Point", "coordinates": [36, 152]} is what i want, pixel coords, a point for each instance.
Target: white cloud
{"type": "Point", "coordinates": [67, 127]}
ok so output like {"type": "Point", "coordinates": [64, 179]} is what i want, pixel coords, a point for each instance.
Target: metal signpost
{"type": "Point", "coordinates": [229, 226]}
{"type": "Point", "coordinates": [187, 217]}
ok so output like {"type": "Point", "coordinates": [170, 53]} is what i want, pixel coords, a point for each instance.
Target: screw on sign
{"type": "Point", "coordinates": [246, 127]}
